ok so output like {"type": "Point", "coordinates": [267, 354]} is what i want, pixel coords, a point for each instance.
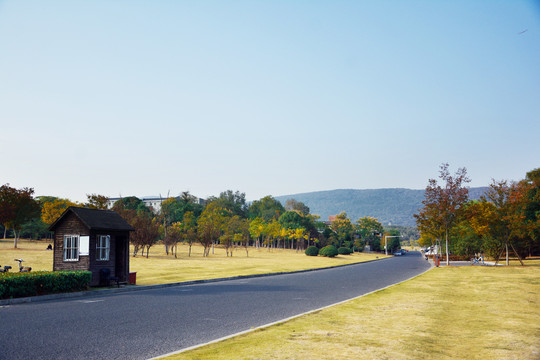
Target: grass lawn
{"type": "Point", "coordinates": [160, 268]}
{"type": "Point", "coordinates": [447, 313]}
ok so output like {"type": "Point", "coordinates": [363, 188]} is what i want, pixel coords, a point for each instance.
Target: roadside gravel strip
{"type": "Point", "coordinates": [285, 320]}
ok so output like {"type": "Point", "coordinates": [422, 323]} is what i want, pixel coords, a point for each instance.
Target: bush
{"type": "Point", "coordinates": [344, 250]}
{"type": "Point", "coordinates": [329, 251]}
{"type": "Point", "coordinates": [312, 251]}
{"type": "Point", "coordinates": [13, 285]}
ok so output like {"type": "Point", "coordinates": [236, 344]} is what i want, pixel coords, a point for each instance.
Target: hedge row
{"type": "Point", "coordinates": [14, 285]}
{"type": "Point", "coordinates": [329, 251]}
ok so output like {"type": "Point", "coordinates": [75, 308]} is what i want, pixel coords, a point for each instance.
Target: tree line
{"type": "Point", "coordinates": [227, 220]}
{"type": "Point", "coordinates": [505, 220]}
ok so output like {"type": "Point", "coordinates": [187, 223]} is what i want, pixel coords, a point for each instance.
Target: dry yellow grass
{"type": "Point", "coordinates": [34, 254]}
{"type": "Point", "coordinates": [447, 313]}
{"type": "Point", "coordinates": [160, 268]}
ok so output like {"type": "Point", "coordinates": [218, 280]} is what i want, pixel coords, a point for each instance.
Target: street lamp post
{"type": "Point", "coordinates": [385, 242]}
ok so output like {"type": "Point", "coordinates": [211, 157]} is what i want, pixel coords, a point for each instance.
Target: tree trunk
{"type": "Point", "coordinates": [507, 260]}
{"type": "Point", "coordinates": [447, 255]}
{"type": "Point", "coordinates": [519, 258]}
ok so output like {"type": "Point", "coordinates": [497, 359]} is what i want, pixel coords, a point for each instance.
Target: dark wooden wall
{"type": "Point", "coordinates": [70, 226]}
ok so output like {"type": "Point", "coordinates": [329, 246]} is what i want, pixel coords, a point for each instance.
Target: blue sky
{"type": "Point", "coordinates": [265, 97]}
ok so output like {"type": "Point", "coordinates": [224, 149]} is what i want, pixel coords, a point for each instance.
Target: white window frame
{"type": "Point", "coordinates": [103, 247]}
{"type": "Point", "coordinates": [71, 247]}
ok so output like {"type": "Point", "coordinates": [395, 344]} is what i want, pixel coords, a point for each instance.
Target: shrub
{"type": "Point", "coordinates": [13, 285]}
{"type": "Point", "coordinates": [329, 251]}
{"type": "Point", "coordinates": [344, 250]}
{"type": "Point", "coordinates": [312, 251]}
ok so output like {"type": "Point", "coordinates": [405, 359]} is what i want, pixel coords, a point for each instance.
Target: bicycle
{"type": "Point", "coordinates": [23, 268]}
{"type": "Point", "coordinates": [477, 261]}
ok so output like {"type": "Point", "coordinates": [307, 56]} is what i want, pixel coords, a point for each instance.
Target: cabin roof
{"type": "Point", "coordinates": [95, 219]}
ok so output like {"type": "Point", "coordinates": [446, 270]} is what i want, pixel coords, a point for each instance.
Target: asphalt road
{"type": "Point", "coordinates": [149, 323]}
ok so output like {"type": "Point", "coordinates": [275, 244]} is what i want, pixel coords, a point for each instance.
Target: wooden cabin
{"type": "Point", "coordinates": [92, 240]}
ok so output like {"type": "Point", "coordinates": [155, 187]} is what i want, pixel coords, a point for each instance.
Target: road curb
{"type": "Point", "coordinates": [89, 293]}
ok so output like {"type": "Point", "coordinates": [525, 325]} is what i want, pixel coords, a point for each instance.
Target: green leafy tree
{"type": "Point", "coordinates": [266, 208]}
{"type": "Point", "coordinates": [291, 220]}
{"type": "Point", "coordinates": [190, 203]}
{"type": "Point", "coordinates": [370, 230]}
{"type": "Point", "coordinates": [531, 187]}
{"type": "Point", "coordinates": [131, 203]}
{"type": "Point", "coordinates": [293, 205]}
{"type": "Point", "coordinates": [235, 202]}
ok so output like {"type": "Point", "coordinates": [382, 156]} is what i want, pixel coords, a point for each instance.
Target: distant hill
{"type": "Point", "coordinates": [389, 206]}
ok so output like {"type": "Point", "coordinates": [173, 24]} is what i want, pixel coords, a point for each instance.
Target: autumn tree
{"type": "Point", "coordinates": [17, 206]}
{"type": "Point", "coordinates": [471, 229]}
{"type": "Point", "coordinates": [174, 235]}
{"type": "Point", "coordinates": [242, 235]}
{"type": "Point", "coordinates": [146, 232]}
{"type": "Point", "coordinates": [231, 227]}
{"type": "Point", "coordinates": [51, 210]}
{"type": "Point", "coordinates": [343, 228]}
{"type": "Point", "coordinates": [189, 229]}
{"type": "Point", "coordinates": [96, 201]}
{"type": "Point", "coordinates": [256, 228]}
{"type": "Point", "coordinates": [506, 222]}
{"type": "Point", "coordinates": [443, 204]}
{"type": "Point", "coordinates": [209, 226]}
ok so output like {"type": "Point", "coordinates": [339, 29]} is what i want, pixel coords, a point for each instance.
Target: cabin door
{"type": "Point", "coordinates": [120, 265]}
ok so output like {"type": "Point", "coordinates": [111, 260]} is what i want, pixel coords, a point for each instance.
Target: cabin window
{"type": "Point", "coordinates": [71, 247]}
{"type": "Point", "coordinates": [103, 246]}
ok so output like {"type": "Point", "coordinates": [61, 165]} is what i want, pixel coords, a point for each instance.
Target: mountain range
{"type": "Point", "coordinates": [389, 206]}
